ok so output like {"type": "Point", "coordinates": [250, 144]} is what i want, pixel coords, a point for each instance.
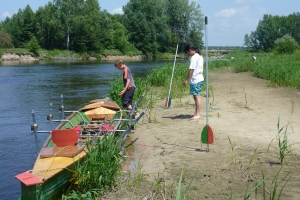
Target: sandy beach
{"type": "Point", "coordinates": [243, 115]}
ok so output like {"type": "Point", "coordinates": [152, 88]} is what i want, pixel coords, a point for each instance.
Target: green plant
{"type": "Point", "coordinates": [232, 150]}
{"type": "Point", "coordinates": [254, 155]}
{"type": "Point", "coordinates": [100, 168]}
{"type": "Point", "coordinates": [273, 194]}
{"type": "Point", "coordinates": [286, 45]}
{"type": "Point", "coordinates": [150, 105]}
{"type": "Point", "coordinates": [33, 46]}
{"type": "Point", "coordinates": [179, 186]}
{"type": "Point", "coordinates": [283, 144]}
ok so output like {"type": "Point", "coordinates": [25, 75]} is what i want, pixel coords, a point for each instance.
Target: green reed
{"type": "Point", "coordinates": [281, 70]}
{"type": "Point", "coordinates": [275, 191]}
{"type": "Point", "coordinates": [284, 148]}
{"type": "Point", "coordinates": [179, 195]}
{"type": "Point", "coordinates": [101, 167]}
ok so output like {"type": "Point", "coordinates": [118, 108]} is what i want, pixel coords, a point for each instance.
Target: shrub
{"type": "Point", "coordinates": [33, 46]}
{"type": "Point", "coordinates": [286, 45]}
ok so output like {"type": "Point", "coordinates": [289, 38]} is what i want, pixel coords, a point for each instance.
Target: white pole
{"type": "Point", "coordinates": [172, 77]}
{"type": "Point", "coordinates": [206, 79]}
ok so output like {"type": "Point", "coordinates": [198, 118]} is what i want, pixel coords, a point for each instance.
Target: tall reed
{"type": "Point", "coordinates": [100, 168]}
{"type": "Point", "coordinates": [284, 148]}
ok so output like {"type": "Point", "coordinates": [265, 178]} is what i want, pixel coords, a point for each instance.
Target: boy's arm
{"type": "Point", "coordinates": [125, 88]}
{"type": "Point", "coordinates": [188, 76]}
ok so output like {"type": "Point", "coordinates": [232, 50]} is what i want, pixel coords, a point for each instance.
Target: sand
{"type": "Point", "coordinates": [243, 115]}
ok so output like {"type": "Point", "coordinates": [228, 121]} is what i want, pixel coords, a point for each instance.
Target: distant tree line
{"type": "Point", "coordinates": [149, 26]}
{"type": "Point", "coordinates": [271, 30]}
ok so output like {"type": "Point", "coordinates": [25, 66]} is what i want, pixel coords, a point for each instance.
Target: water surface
{"type": "Point", "coordinates": [33, 85]}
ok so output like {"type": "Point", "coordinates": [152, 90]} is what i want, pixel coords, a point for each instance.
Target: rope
{"type": "Point", "coordinates": [159, 147]}
{"type": "Point", "coordinates": [40, 170]}
{"type": "Point", "coordinates": [49, 168]}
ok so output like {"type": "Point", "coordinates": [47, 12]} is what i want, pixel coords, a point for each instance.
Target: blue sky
{"type": "Point", "coordinates": [228, 20]}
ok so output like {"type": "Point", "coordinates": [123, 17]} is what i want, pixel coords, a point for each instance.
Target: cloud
{"type": "Point", "coordinates": [228, 12]}
{"type": "Point", "coordinates": [6, 14]}
{"type": "Point", "coordinates": [246, 1]}
{"type": "Point", "coordinates": [231, 12]}
{"type": "Point", "coordinates": [235, 20]}
{"type": "Point", "coordinates": [117, 11]}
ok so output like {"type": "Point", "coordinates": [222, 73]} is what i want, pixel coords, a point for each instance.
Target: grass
{"type": "Point", "coordinates": [275, 192]}
{"type": "Point", "coordinates": [157, 84]}
{"type": "Point", "coordinates": [284, 148]}
{"type": "Point", "coordinates": [179, 194]}
{"type": "Point", "coordinates": [98, 171]}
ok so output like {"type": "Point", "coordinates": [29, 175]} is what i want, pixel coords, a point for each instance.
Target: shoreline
{"type": "Point", "coordinates": [9, 56]}
{"type": "Point", "coordinates": [244, 121]}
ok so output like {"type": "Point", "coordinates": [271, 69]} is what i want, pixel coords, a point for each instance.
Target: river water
{"type": "Point", "coordinates": [32, 86]}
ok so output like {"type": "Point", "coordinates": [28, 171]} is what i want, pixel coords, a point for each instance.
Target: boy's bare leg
{"type": "Point", "coordinates": [197, 109]}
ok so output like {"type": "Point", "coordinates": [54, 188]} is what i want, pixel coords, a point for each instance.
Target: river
{"type": "Point", "coordinates": [33, 86]}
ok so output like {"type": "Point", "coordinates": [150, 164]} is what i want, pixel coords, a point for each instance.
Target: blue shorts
{"type": "Point", "coordinates": [195, 89]}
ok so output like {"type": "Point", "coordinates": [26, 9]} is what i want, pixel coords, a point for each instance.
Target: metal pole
{"type": "Point", "coordinates": [50, 117]}
{"type": "Point", "coordinates": [206, 76]}
{"type": "Point", "coordinates": [34, 128]}
{"type": "Point", "coordinates": [62, 108]}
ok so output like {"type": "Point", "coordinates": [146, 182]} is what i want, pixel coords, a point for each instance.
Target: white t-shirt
{"type": "Point", "coordinates": [197, 65]}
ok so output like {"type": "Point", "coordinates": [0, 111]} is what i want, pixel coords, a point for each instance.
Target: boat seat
{"type": "Point", "coordinates": [64, 137]}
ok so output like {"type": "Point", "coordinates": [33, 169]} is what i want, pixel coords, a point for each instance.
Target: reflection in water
{"type": "Point", "coordinates": [132, 158]}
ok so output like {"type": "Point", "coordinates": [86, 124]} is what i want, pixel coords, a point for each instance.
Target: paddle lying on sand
{"type": "Point", "coordinates": [207, 136]}
{"type": "Point", "coordinates": [168, 100]}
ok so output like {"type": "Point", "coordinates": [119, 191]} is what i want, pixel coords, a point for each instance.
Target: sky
{"type": "Point", "coordinates": [228, 20]}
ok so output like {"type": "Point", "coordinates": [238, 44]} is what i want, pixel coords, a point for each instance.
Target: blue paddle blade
{"type": "Point", "coordinates": [168, 103]}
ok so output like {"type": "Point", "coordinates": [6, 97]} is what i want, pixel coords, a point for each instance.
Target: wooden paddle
{"type": "Point", "coordinates": [207, 136]}
{"type": "Point", "coordinates": [168, 100]}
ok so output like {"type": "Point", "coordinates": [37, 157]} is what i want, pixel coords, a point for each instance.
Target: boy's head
{"type": "Point", "coordinates": [119, 63]}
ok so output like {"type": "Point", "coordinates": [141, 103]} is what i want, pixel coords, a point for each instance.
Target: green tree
{"type": "Point", "coordinates": [270, 28]}
{"type": "Point", "coordinates": [5, 40]}
{"type": "Point", "coordinates": [185, 21]}
{"type": "Point", "coordinates": [50, 32]}
{"type": "Point", "coordinates": [15, 25]}
{"type": "Point", "coordinates": [28, 17]}
{"type": "Point", "coordinates": [145, 21]}
{"type": "Point", "coordinates": [247, 41]}
{"type": "Point", "coordinates": [33, 46]}
{"type": "Point", "coordinates": [286, 45]}
{"type": "Point", "coordinates": [295, 24]}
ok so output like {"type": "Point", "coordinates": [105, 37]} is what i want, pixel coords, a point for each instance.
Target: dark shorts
{"type": "Point", "coordinates": [127, 97]}
{"type": "Point", "coordinates": [195, 89]}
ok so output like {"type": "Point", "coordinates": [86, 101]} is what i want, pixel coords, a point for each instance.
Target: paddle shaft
{"type": "Point", "coordinates": [172, 76]}
{"type": "Point", "coordinates": [206, 55]}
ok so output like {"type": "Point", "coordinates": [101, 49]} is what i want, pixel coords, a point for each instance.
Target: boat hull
{"type": "Point", "coordinates": [53, 174]}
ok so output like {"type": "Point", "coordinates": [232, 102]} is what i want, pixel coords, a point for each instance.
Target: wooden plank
{"type": "Point", "coordinates": [111, 105]}
{"type": "Point", "coordinates": [29, 179]}
{"type": "Point", "coordinates": [92, 106]}
{"type": "Point", "coordinates": [100, 112]}
{"type": "Point", "coordinates": [68, 151]}
{"type": "Point", "coordinates": [98, 100]}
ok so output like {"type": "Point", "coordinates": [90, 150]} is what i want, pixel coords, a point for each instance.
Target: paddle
{"type": "Point", "coordinates": [168, 100]}
{"type": "Point", "coordinates": [207, 136]}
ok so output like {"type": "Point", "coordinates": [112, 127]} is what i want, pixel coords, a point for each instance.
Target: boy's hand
{"type": "Point", "coordinates": [121, 93]}
{"type": "Point", "coordinates": [184, 83]}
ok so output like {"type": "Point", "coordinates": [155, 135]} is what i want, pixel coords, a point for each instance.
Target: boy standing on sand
{"type": "Point", "coordinates": [195, 77]}
{"type": "Point", "coordinates": [128, 82]}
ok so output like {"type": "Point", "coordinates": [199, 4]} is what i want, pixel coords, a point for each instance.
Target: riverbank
{"type": "Point", "coordinates": [10, 56]}
{"type": "Point", "coordinates": [244, 115]}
